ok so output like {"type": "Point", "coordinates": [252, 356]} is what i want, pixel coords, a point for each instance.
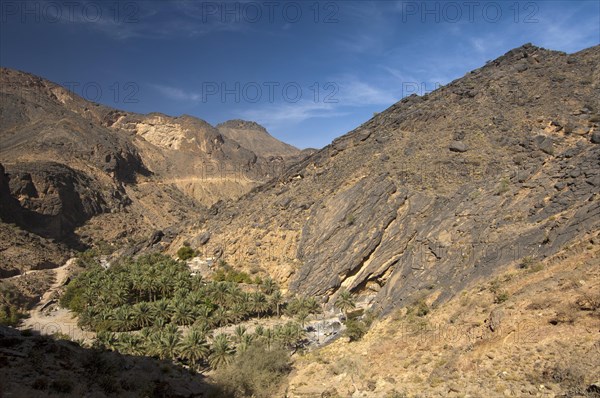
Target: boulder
{"type": "Point", "coordinates": [544, 144]}
{"type": "Point", "coordinates": [458, 146]}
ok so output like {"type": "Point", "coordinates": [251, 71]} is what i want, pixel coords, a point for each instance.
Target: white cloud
{"type": "Point", "coordinates": [356, 92]}
{"type": "Point", "coordinates": [351, 93]}
{"type": "Point", "coordinates": [285, 114]}
{"type": "Point", "coordinates": [176, 93]}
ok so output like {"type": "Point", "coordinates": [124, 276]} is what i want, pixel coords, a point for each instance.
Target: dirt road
{"type": "Point", "coordinates": [48, 318]}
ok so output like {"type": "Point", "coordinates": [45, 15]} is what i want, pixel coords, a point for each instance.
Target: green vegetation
{"type": "Point", "coordinates": [355, 329]}
{"type": "Point", "coordinates": [256, 372]}
{"type": "Point", "coordinates": [186, 253]}
{"type": "Point", "coordinates": [227, 274]}
{"type": "Point", "coordinates": [153, 306]}
{"type": "Point", "coordinates": [10, 311]}
{"type": "Point", "coordinates": [531, 265]}
{"type": "Point", "coordinates": [500, 297]}
{"type": "Point", "coordinates": [135, 294]}
{"type": "Point", "coordinates": [345, 301]}
{"type": "Point", "coordinates": [527, 262]}
{"type": "Point", "coordinates": [88, 258]}
{"type": "Point", "coordinates": [504, 186]}
{"type": "Point", "coordinates": [419, 308]}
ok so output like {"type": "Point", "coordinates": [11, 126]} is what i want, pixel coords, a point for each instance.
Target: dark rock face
{"type": "Point", "coordinates": [10, 211]}
{"type": "Point", "coordinates": [55, 198]}
{"type": "Point", "coordinates": [389, 204]}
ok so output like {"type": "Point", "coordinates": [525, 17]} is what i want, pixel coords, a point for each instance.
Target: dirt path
{"type": "Point", "coordinates": [48, 318]}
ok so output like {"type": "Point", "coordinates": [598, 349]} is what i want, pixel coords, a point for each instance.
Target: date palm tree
{"type": "Point", "coordinates": [245, 342]}
{"type": "Point", "coordinates": [238, 312]}
{"type": "Point", "coordinates": [220, 317]}
{"type": "Point", "coordinates": [162, 309]}
{"type": "Point", "coordinates": [123, 318]}
{"type": "Point", "coordinates": [182, 281]}
{"type": "Point", "coordinates": [220, 293]}
{"type": "Point", "coordinates": [166, 342]}
{"type": "Point", "coordinates": [194, 347]}
{"type": "Point", "coordinates": [142, 314]}
{"type": "Point", "coordinates": [183, 314]}
{"type": "Point", "coordinates": [130, 343]}
{"type": "Point", "coordinates": [202, 325]}
{"type": "Point", "coordinates": [276, 300]}
{"type": "Point", "coordinates": [222, 352]}
{"type": "Point", "coordinates": [312, 306]}
{"type": "Point", "coordinates": [268, 286]}
{"type": "Point", "coordinates": [106, 340]}
{"type": "Point", "coordinates": [196, 283]}
{"type": "Point", "coordinates": [238, 333]}
{"type": "Point", "coordinates": [302, 315]}
{"type": "Point", "coordinates": [269, 337]}
{"type": "Point", "coordinates": [345, 302]}
{"type": "Point", "coordinates": [291, 334]}
{"type": "Point", "coordinates": [259, 331]}
{"type": "Point", "coordinates": [259, 303]}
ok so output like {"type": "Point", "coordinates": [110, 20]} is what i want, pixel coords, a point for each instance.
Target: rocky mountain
{"type": "Point", "coordinates": [434, 193]}
{"type": "Point", "coordinates": [255, 137]}
{"type": "Point", "coordinates": [469, 218]}
{"type": "Point", "coordinates": [78, 172]}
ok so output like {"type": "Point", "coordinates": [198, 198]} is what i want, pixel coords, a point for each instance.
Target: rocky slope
{"type": "Point", "coordinates": [532, 331]}
{"type": "Point", "coordinates": [41, 366]}
{"type": "Point", "coordinates": [437, 191]}
{"type": "Point", "coordinates": [78, 172]}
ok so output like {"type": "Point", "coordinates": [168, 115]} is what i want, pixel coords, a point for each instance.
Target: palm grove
{"type": "Point", "coordinates": [154, 306]}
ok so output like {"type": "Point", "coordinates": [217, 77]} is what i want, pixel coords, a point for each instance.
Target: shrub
{"type": "Point", "coordinates": [527, 262]}
{"type": "Point", "coordinates": [355, 329]}
{"type": "Point", "coordinates": [503, 187]}
{"type": "Point", "coordinates": [73, 297]}
{"type": "Point", "coordinates": [350, 219]}
{"type": "Point", "coordinates": [500, 297]}
{"type": "Point", "coordinates": [88, 258]}
{"type": "Point", "coordinates": [10, 313]}
{"type": "Point", "coordinates": [256, 372]}
{"type": "Point", "coordinates": [186, 253]}
{"type": "Point", "coordinates": [231, 275]}
{"type": "Point", "coordinates": [419, 308]}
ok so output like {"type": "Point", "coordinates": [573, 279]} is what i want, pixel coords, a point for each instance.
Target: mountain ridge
{"type": "Point", "coordinates": [347, 216]}
{"type": "Point", "coordinates": [127, 174]}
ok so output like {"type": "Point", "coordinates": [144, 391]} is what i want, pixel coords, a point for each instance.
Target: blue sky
{"type": "Point", "coordinates": [308, 71]}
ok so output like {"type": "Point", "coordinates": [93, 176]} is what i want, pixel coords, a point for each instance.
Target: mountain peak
{"type": "Point", "coordinates": [255, 137]}
{"type": "Point", "coordinates": [242, 124]}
